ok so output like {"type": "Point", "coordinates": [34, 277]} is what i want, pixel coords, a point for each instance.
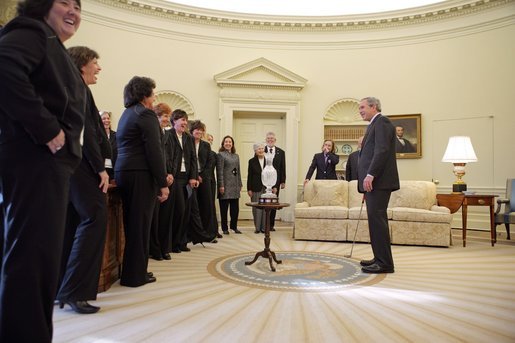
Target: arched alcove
{"type": "Point", "coordinates": [175, 101]}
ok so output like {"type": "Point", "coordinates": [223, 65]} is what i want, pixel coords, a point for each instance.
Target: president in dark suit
{"type": "Point", "coordinates": [279, 164]}
{"type": "Point", "coordinates": [377, 178]}
{"type": "Point", "coordinates": [324, 163]}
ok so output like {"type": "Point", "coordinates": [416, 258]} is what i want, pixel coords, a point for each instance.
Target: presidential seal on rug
{"type": "Point", "coordinates": [299, 271]}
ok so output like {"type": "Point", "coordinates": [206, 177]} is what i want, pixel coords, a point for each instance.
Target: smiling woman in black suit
{"type": "Point", "coordinates": [324, 162]}
{"type": "Point", "coordinates": [42, 99]}
{"type": "Point", "coordinates": [86, 219]}
{"type": "Point", "coordinates": [140, 175]}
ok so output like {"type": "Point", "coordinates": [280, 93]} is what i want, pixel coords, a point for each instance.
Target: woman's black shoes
{"type": "Point", "coordinates": [156, 257]}
{"type": "Point", "coordinates": [80, 306]}
{"type": "Point", "coordinates": [150, 279]}
{"type": "Point", "coordinates": [236, 231]}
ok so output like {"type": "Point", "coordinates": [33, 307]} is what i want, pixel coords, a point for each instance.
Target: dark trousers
{"type": "Point", "coordinates": [234, 205]}
{"type": "Point", "coordinates": [180, 227]}
{"type": "Point", "coordinates": [34, 187]}
{"type": "Point", "coordinates": [274, 212]}
{"type": "Point", "coordinates": [377, 203]}
{"type": "Point", "coordinates": [139, 191]}
{"type": "Point", "coordinates": [86, 226]}
{"type": "Point", "coordinates": [206, 202]}
{"type": "Point", "coordinates": [165, 228]}
{"type": "Point", "coordinates": [213, 205]}
{"type": "Point", "coordinates": [154, 246]}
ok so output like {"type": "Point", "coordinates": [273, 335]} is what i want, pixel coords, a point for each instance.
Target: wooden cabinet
{"type": "Point", "coordinates": [345, 138]}
{"type": "Point", "coordinates": [115, 241]}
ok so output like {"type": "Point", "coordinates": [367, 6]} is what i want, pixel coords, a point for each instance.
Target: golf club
{"type": "Point", "coordinates": [357, 225]}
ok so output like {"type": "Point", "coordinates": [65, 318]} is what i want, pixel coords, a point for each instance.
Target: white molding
{"type": "Point", "coordinates": [195, 15]}
{"type": "Point", "coordinates": [263, 86]}
{"type": "Point", "coordinates": [176, 101]}
{"type": "Point", "coordinates": [440, 21]}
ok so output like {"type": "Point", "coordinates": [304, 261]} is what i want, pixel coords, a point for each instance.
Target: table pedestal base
{"type": "Point", "coordinates": [267, 253]}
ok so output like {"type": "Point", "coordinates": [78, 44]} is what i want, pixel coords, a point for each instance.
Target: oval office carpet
{"type": "Point", "coordinates": [298, 271]}
{"type": "Point", "coordinates": [208, 295]}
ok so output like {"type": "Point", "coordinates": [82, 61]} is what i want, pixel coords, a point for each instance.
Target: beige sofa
{"type": "Point", "coordinates": [331, 208]}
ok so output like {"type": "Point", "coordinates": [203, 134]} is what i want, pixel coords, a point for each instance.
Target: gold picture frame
{"type": "Point", "coordinates": [411, 135]}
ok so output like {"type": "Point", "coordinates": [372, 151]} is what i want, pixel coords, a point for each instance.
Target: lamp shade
{"type": "Point", "coordinates": [459, 150]}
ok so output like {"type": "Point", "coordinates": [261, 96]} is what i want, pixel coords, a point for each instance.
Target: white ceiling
{"type": "Point", "coordinates": [305, 7]}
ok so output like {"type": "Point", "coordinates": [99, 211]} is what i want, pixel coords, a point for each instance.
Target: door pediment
{"type": "Point", "coordinates": [260, 73]}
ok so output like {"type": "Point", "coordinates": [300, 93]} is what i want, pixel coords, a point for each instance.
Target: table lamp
{"type": "Point", "coordinates": [459, 152]}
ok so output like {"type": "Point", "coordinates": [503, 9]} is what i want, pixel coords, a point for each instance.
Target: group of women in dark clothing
{"type": "Point", "coordinates": [56, 160]}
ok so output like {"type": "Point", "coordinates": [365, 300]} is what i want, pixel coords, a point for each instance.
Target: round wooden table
{"type": "Point", "coordinates": [267, 253]}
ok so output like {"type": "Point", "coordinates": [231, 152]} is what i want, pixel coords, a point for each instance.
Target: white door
{"type": "Point", "coordinates": [250, 128]}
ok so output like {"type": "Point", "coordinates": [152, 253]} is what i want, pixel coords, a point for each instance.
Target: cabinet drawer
{"type": "Point", "coordinates": [479, 201]}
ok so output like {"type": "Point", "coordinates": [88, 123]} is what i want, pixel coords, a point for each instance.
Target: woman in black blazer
{"type": "Point", "coordinates": [206, 166]}
{"type": "Point", "coordinates": [111, 135]}
{"type": "Point", "coordinates": [141, 176]}
{"type": "Point", "coordinates": [255, 185]}
{"type": "Point", "coordinates": [42, 99]}
{"type": "Point", "coordinates": [324, 162]}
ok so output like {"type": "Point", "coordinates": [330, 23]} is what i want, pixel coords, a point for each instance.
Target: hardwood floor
{"type": "Point", "coordinates": [451, 294]}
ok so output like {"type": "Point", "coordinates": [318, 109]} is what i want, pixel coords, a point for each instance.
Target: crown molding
{"type": "Point", "coordinates": [470, 18]}
{"type": "Point", "coordinates": [373, 21]}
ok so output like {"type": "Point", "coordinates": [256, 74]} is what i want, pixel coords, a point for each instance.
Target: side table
{"type": "Point", "coordinates": [267, 253]}
{"type": "Point", "coordinates": [454, 201]}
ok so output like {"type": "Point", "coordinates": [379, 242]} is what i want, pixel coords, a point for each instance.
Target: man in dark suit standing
{"type": "Point", "coordinates": [378, 177]}
{"type": "Point", "coordinates": [279, 164]}
{"type": "Point", "coordinates": [351, 168]}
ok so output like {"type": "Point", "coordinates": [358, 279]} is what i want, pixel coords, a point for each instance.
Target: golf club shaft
{"type": "Point", "coordinates": [357, 225]}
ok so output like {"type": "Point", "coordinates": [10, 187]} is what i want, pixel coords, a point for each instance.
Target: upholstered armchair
{"type": "Point", "coordinates": [507, 216]}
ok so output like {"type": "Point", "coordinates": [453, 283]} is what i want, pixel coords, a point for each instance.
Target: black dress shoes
{"type": "Point", "coordinates": [156, 257]}
{"type": "Point", "coordinates": [376, 269]}
{"type": "Point", "coordinates": [219, 235]}
{"type": "Point", "coordinates": [226, 232]}
{"type": "Point", "coordinates": [167, 256]}
{"type": "Point", "coordinates": [236, 231]}
{"type": "Point", "coordinates": [151, 279]}
{"type": "Point", "coordinates": [176, 250]}
{"type": "Point", "coordinates": [365, 263]}
{"type": "Point", "coordinates": [257, 231]}
{"type": "Point", "coordinates": [272, 229]}
{"type": "Point", "coordinates": [185, 248]}
{"type": "Point", "coordinates": [80, 306]}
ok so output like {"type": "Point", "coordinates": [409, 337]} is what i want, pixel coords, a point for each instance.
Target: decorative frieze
{"type": "Point", "coordinates": [375, 21]}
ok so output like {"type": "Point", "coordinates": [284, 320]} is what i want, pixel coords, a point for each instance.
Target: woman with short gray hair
{"type": "Point", "coordinates": [255, 186]}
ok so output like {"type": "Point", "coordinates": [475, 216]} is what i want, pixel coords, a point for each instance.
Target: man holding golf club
{"type": "Point", "coordinates": [377, 178]}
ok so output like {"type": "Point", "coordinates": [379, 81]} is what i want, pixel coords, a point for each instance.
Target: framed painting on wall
{"type": "Point", "coordinates": [409, 135]}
